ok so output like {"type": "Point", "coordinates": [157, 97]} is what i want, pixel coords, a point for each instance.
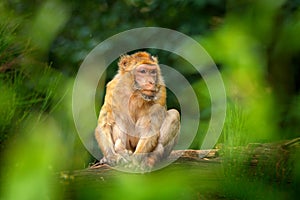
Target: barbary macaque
{"type": "Point", "coordinates": [135, 129]}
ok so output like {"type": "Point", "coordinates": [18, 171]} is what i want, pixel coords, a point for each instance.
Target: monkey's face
{"type": "Point", "coordinates": [145, 80]}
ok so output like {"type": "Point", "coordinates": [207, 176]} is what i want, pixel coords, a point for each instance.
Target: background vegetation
{"type": "Point", "coordinates": [42, 44]}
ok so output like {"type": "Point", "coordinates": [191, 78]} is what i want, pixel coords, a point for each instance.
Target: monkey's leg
{"type": "Point", "coordinates": [120, 139]}
{"type": "Point", "coordinates": [147, 142]}
{"type": "Point", "coordinates": [144, 148]}
{"type": "Point", "coordinates": [105, 141]}
{"type": "Point", "coordinates": [169, 132]}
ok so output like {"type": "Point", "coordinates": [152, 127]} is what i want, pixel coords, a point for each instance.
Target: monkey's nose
{"type": "Point", "coordinates": [151, 82]}
{"type": "Point", "coordinates": [149, 86]}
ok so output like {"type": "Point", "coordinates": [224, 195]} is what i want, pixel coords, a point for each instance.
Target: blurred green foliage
{"type": "Point", "coordinates": [30, 165]}
{"type": "Point", "coordinates": [42, 43]}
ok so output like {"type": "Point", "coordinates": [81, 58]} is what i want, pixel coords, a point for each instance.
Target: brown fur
{"type": "Point", "coordinates": [129, 125]}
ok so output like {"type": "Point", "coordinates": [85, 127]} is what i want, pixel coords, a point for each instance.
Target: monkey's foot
{"type": "Point", "coordinates": [114, 160]}
{"type": "Point", "coordinates": [139, 164]}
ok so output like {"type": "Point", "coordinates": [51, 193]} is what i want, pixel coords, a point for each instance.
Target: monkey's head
{"type": "Point", "coordinates": [145, 71]}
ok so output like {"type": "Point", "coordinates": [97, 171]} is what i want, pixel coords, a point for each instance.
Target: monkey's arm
{"type": "Point", "coordinates": [104, 131]}
{"type": "Point", "coordinates": [148, 128]}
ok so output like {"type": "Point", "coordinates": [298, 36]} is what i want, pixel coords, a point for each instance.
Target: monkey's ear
{"type": "Point", "coordinates": [154, 58]}
{"type": "Point", "coordinates": [124, 62]}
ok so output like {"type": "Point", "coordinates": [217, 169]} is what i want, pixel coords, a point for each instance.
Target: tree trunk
{"type": "Point", "coordinates": [271, 161]}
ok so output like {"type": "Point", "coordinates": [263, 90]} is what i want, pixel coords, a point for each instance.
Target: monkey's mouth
{"type": "Point", "coordinates": [148, 95]}
{"type": "Point", "coordinates": [148, 98]}
{"type": "Point", "coordinates": [149, 92]}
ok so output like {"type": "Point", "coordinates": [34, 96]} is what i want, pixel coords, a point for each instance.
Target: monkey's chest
{"type": "Point", "coordinates": [138, 108]}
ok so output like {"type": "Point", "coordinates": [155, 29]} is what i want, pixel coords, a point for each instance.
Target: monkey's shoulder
{"type": "Point", "coordinates": [112, 84]}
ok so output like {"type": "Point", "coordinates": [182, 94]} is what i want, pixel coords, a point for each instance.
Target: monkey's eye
{"type": "Point", "coordinates": [153, 72]}
{"type": "Point", "coordinates": [142, 71]}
